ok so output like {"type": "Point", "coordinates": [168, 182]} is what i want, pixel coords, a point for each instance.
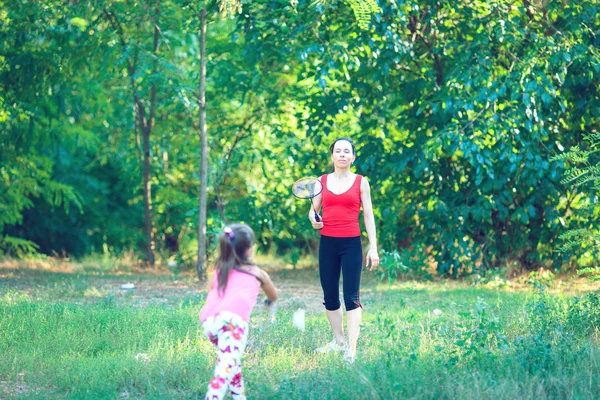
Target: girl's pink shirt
{"type": "Point", "coordinates": [239, 296]}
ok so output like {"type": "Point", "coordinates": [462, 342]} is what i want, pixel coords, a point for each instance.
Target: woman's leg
{"type": "Point", "coordinates": [353, 319]}
{"type": "Point", "coordinates": [336, 320]}
{"type": "Point", "coordinates": [329, 272]}
{"type": "Point", "coordinates": [352, 270]}
{"type": "Point", "coordinates": [229, 333]}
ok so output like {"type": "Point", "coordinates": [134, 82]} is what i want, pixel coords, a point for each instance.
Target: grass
{"type": "Point", "coordinates": [74, 334]}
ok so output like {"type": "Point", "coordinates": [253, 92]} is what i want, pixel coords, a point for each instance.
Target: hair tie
{"type": "Point", "coordinates": [229, 233]}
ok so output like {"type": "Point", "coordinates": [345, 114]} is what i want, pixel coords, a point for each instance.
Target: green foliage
{"type": "Point", "coordinates": [480, 335]}
{"type": "Point", "coordinates": [23, 180]}
{"type": "Point", "coordinates": [405, 264]}
{"type": "Point", "coordinates": [363, 11]}
{"type": "Point", "coordinates": [230, 7]}
{"type": "Point", "coordinates": [564, 318]}
{"type": "Point", "coordinates": [455, 109]}
{"type": "Point", "coordinates": [390, 264]}
{"type": "Point", "coordinates": [495, 278]}
{"type": "Point", "coordinates": [17, 247]}
{"type": "Point", "coordinates": [541, 279]}
{"type": "Point", "coordinates": [592, 273]}
{"type": "Point", "coordinates": [583, 175]}
{"type": "Point", "coordinates": [586, 166]}
{"type": "Point", "coordinates": [576, 238]}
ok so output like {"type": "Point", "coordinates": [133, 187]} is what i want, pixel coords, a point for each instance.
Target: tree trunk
{"type": "Point", "coordinates": [201, 267]}
{"type": "Point", "coordinates": [144, 123]}
{"type": "Point", "coordinates": [150, 247]}
{"type": "Point", "coordinates": [148, 199]}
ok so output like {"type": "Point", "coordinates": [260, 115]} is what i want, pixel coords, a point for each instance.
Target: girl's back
{"type": "Point", "coordinates": [239, 296]}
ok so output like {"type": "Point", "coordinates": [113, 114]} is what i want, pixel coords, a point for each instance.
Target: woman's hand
{"type": "Point", "coordinates": [372, 259]}
{"type": "Point", "coordinates": [317, 225]}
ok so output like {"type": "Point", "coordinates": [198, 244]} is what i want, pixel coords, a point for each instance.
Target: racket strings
{"type": "Point", "coordinates": [307, 188]}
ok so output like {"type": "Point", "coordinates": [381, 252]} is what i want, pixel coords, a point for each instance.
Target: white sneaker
{"type": "Point", "coordinates": [331, 346]}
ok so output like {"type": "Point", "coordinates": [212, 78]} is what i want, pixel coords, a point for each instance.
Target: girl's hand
{"type": "Point", "coordinates": [268, 302]}
{"type": "Point", "coordinates": [372, 259]}
{"type": "Point", "coordinates": [317, 225]}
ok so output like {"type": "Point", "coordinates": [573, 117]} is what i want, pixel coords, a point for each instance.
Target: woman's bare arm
{"type": "Point", "coordinates": [316, 207]}
{"type": "Point", "coordinates": [369, 218]}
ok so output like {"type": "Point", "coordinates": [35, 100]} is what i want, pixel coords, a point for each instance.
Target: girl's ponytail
{"type": "Point", "coordinates": [234, 245]}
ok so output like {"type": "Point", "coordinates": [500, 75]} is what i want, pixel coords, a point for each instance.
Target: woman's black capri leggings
{"type": "Point", "coordinates": [340, 255]}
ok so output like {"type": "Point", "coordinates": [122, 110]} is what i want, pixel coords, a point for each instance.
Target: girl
{"type": "Point", "coordinates": [228, 306]}
{"type": "Point", "coordinates": [340, 250]}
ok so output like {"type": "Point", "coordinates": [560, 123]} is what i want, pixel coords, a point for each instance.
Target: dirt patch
{"type": "Point", "coordinates": [66, 283]}
{"type": "Point", "coordinates": [16, 389]}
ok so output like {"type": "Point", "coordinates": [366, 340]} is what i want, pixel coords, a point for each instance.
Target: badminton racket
{"type": "Point", "coordinates": [308, 188]}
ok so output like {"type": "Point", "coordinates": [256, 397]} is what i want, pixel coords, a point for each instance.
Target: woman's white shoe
{"type": "Point", "coordinates": [331, 346]}
{"type": "Point", "coordinates": [349, 358]}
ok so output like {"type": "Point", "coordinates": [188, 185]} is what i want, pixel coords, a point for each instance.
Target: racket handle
{"type": "Point", "coordinates": [317, 218]}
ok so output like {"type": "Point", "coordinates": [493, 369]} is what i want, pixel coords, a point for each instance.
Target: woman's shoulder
{"type": "Point", "coordinates": [364, 183]}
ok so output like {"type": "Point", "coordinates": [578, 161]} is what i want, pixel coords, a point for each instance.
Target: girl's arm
{"type": "Point", "coordinates": [267, 285]}
{"type": "Point", "coordinates": [365, 197]}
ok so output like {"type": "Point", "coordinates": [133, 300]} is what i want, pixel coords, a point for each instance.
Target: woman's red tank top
{"type": "Point", "coordinates": [340, 211]}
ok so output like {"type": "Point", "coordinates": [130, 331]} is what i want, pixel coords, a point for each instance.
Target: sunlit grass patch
{"type": "Point", "coordinates": [78, 335]}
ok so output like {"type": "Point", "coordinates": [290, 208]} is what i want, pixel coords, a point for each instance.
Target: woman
{"type": "Point", "coordinates": [340, 249]}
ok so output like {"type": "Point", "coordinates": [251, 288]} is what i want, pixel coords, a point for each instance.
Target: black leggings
{"type": "Point", "coordinates": [340, 255]}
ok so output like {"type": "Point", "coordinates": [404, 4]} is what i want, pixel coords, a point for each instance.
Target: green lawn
{"type": "Point", "coordinates": [78, 335]}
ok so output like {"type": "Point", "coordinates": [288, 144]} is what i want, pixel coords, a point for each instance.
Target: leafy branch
{"type": "Point", "coordinates": [585, 172]}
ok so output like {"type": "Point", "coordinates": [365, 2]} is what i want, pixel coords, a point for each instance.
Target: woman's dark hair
{"type": "Point", "coordinates": [347, 140]}
{"type": "Point", "coordinates": [234, 243]}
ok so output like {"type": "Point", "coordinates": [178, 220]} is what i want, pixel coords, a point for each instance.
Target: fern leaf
{"type": "Point", "coordinates": [363, 10]}
{"type": "Point", "coordinates": [58, 194]}
{"type": "Point", "coordinates": [17, 247]}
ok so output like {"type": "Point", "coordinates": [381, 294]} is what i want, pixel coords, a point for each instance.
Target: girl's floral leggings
{"type": "Point", "coordinates": [229, 333]}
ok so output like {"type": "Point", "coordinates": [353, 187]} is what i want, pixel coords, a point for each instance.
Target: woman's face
{"type": "Point", "coordinates": [342, 156]}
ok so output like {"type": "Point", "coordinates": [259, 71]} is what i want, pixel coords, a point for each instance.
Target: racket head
{"type": "Point", "coordinates": [307, 188]}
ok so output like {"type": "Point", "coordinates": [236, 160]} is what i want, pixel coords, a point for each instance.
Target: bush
{"type": "Point", "coordinates": [404, 263]}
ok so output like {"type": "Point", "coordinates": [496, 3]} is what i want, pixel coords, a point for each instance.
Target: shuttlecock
{"type": "Point", "coordinates": [142, 357]}
{"type": "Point", "coordinates": [298, 318]}
{"type": "Point", "coordinates": [437, 312]}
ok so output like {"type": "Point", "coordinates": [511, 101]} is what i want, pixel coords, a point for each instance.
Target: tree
{"type": "Point", "coordinates": [144, 110]}
{"type": "Point", "coordinates": [30, 68]}
{"type": "Point", "coordinates": [201, 268]}
{"type": "Point", "coordinates": [455, 107]}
